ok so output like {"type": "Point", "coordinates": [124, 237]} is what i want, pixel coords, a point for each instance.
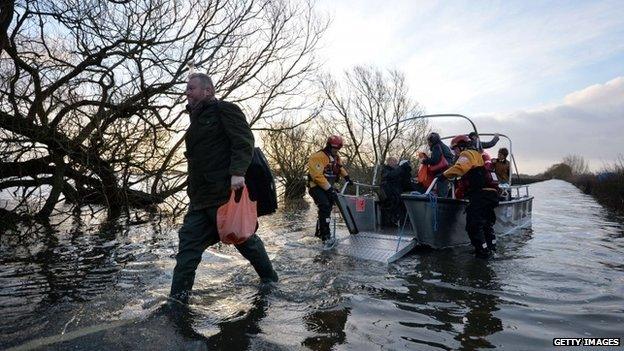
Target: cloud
{"type": "Point", "coordinates": [479, 57]}
{"type": "Point", "coordinates": [603, 100]}
{"type": "Point", "coordinates": [588, 122]}
{"type": "Point", "coordinates": [487, 59]}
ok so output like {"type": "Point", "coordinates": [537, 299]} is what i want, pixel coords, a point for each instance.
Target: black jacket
{"type": "Point", "coordinates": [219, 144]}
{"type": "Point", "coordinates": [487, 144]}
{"type": "Point", "coordinates": [396, 180]}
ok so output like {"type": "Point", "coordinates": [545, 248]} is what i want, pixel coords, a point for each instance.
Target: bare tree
{"type": "Point", "coordinates": [577, 164]}
{"type": "Point", "coordinates": [288, 150]}
{"type": "Point", "coordinates": [91, 99]}
{"type": "Point", "coordinates": [366, 108]}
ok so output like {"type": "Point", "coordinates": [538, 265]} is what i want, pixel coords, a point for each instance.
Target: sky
{"type": "Point", "coordinates": [549, 74]}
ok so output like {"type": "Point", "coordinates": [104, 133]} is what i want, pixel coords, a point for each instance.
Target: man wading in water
{"type": "Point", "coordinates": [219, 147]}
{"type": "Point", "coordinates": [481, 192]}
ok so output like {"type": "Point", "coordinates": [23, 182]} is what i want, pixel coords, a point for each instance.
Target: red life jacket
{"type": "Point", "coordinates": [332, 169]}
{"type": "Point", "coordinates": [474, 180]}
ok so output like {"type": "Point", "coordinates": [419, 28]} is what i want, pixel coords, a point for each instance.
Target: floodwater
{"type": "Point", "coordinates": [82, 287]}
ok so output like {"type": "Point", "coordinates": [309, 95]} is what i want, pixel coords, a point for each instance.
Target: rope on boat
{"type": "Point", "coordinates": [433, 204]}
{"type": "Point", "coordinates": [401, 231]}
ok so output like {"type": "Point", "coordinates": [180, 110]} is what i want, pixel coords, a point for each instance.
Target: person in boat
{"type": "Point", "coordinates": [480, 145]}
{"type": "Point", "coordinates": [407, 183]}
{"type": "Point", "coordinates": [502, 165]}
{"type": "Point", "coordinates": [481, 192]}
{"type": "Point", "coordinates": [324, 169]}
{"type": "Point", "coordinates": [396, 178]}
{"type": "Point", "coordinates": [441, 158]}
{"type": "Point", "coordinates": [219, 148]}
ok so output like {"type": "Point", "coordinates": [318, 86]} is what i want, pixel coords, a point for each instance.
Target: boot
{"type": "Point", "coordinates": [253, 250]}
{"type": "Point", "coordinates": [317, 232]}
{"type": "Point", "coordinates": [490, 238]}
{"type": "Point", "coordinates": [483, 253]}
{"type": "Point", "coordinates": [325, 232]}
{"type": "Point", "coordinates": [492, 246]}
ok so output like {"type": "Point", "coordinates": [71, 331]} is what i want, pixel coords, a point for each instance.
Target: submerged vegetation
{"type": "Point", "coordinates": [606, 186]}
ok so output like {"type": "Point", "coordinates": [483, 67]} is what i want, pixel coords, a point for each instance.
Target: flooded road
{"type": "Point", "coordinates": [103, 288]}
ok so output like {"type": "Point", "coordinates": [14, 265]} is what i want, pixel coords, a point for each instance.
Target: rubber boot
{"type": "Point", "coordinates": [483, 252]}
{"type": "Point", "coordinates": [253, 250]}
{"type": "Point", "coordinates": [324, 229]}
{"type": "Point", "coordinates": [317, 232]}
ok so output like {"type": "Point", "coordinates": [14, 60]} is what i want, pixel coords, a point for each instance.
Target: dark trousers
{"type": "Point", "coordinates": [324, 204]}
{"type": "Point", "coordinates": [198, 232]}
{"type": "Point", "coordinates": [480, 220]}
{"type": "Point", "coordinates": [392, 208]}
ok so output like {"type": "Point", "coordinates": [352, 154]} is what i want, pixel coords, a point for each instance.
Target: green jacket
{"type": "Point", "coordinates": [219, 144]}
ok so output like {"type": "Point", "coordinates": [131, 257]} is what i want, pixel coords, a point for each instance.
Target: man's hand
{"type": "Point", "coordinates": [237, 182]}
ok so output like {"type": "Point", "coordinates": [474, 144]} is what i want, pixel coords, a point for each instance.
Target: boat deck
{"type": "Point", "coordinates": [376, 247]}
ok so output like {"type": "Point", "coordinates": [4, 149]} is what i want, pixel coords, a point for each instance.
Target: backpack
{"type": "Point", "coordinates": [261, 185]}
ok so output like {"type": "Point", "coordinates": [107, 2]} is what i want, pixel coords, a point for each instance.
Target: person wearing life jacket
{"type": "Point", "coordinates": [481, 192]}
{"type": "Point", "coordinates": [324, 169]}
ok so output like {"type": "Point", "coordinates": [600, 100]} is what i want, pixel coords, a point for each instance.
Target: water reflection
{"type": "Point", "coordinates": [46, 265]}
{"type": "Point", "coordinates": [236, 334]}
{"type": "Point", "coordinates": [80, 278]}
{"type": "Point", "coordinates": [455, 290]}
{"type": "Point", "coordinates": [479, 321]}
{"type": "Point", "coordinates": [328, 327]}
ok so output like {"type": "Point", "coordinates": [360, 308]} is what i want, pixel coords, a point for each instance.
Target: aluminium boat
{"type": "Point", "coordinates": [431, 221]}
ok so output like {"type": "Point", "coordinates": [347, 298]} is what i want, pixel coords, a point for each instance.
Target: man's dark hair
{"type": "Point", "coordinates": [472, 135]}
{"type": "Point", "coordinates": [504, 151]}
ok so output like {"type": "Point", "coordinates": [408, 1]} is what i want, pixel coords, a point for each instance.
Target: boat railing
{"type": "Point", "coordinates": [517, 188]}
{"type": "Point", "coordinates": [357, 187]}
{"type": "Point", "coordinates": [431, 186]}
{"type": "Point", "coordinates": [509, 188]}
{"type": "Point", "coordinates": [434, 183]}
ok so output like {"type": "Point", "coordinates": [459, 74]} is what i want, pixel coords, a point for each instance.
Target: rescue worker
{"type": "Point", "coordinates": [481, 192]}
{"type": "Point", "coordinates": [219, 147]}
{"type": "Point", "coordinates": [324, 169]}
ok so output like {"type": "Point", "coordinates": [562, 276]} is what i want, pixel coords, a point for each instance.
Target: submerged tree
{"type": "Point", "coordinates": [366, 109]}
{"type": "Point", "coordinates": [288, 149]}
{"type": "Point", "coordinates": [91, 95]}
{"type": "Point", "coordinates": [577, 164]}
{"type": "Point", "coordinates": [558, 171]}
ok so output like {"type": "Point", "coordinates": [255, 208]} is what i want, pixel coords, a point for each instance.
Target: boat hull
{"type": "Point", "coordinates": [442, 223]}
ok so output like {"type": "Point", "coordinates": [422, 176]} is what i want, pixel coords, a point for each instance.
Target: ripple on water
{"type": "Point", "coordinates": [73, 289]}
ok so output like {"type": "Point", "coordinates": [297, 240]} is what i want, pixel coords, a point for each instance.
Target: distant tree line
{"type": "Point", "coordinates": [606, 185]}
